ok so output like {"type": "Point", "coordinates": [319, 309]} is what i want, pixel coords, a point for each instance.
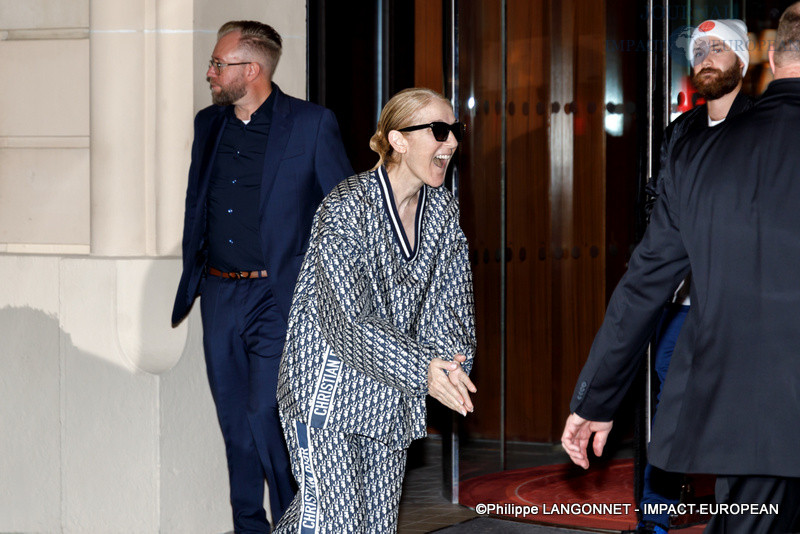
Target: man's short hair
{"type": "Point", "coordinates": [787, 40]}
{"type": "Point", "coordinates": [258, 39]}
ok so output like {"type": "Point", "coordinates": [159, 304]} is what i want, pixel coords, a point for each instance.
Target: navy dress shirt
{"type": "Point", "coordinates": [234, 243]}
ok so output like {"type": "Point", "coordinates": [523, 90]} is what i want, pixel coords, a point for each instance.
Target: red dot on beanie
{"type": "Point", "coordinates": [707, 26]}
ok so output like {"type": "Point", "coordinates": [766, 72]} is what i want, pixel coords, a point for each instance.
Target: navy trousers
{"type": "Point", "coordinates": [243, 336]}
{"type": "Point", "coordinates": [662, 487]}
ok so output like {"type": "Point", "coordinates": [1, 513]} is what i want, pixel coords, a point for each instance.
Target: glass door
{"type": "Point", "coordinates": [531, 85]}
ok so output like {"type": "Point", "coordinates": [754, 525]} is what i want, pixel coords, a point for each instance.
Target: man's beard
{"type": "Point", "coordinates": [714, 87]}
{"type": "Point", "coordinates": [229, 95]}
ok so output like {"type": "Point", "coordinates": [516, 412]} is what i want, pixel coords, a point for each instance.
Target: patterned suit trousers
{"type": "Point", "coordinates": [348, 483]}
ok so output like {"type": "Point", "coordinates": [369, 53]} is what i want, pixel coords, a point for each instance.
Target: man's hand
{"type": "Point", "coordinates": [575, 438]}
{"type": "Point", "coordinates": [450, 385]}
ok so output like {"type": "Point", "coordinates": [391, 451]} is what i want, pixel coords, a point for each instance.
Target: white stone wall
{"type": "Point", "coordinates": [106, 421]}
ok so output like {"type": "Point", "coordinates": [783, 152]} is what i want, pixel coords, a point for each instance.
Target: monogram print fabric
{"type": "Point", "coordinates": [370, 312]}
{"type": "Point", "coordinates": [346, 483]}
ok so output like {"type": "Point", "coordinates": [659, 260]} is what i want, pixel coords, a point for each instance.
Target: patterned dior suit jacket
{"type": "Point", "coordinates": [370, 312]}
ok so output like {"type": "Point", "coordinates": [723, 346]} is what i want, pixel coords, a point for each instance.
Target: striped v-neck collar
{"type": "Point", "coordinates": [409, 252]}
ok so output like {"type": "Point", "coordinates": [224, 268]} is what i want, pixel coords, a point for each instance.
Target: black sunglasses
{"type": "Point", "coordinates": [440, 130]}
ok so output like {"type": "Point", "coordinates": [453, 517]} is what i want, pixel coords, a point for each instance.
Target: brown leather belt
{"type": "Point", "coordinates": [237, 274]}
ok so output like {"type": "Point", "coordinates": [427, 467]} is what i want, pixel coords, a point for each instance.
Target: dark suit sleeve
{"type": "Point", "coordinates": [658, 264]}
{"type": "Point", "coordinates": [191, 186]}
{"type": "Point", "coordinates": [191, 243]}
{"type": "Point", "coordinates": [330, 159]}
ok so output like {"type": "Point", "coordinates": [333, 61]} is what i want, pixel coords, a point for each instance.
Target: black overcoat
{"type": "Point", "coordinates": [729, 210]}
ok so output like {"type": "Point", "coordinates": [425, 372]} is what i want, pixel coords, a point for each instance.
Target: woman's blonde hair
{"type": "Point", "coordinates": [400, 111]}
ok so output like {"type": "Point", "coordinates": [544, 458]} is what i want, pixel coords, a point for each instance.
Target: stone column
{"type": "Point", "coordinates": [121, 160]}
{"type": "Point", "coordinates": [176, 69]}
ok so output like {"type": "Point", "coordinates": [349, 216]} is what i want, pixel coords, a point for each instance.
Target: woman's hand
{"type": "Point", "coordinates": [450, 385]}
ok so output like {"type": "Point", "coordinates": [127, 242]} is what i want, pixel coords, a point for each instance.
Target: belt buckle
{"type": "Point", "coordinates": [234, 275]}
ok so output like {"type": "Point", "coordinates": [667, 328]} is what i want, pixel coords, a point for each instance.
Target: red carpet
{"type": "Point", "coordinates": [564, 494]}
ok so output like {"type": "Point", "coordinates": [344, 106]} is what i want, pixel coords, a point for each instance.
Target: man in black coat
{"type": "Point", "coordinates": [719, 56]}
{"type": "Point", "coordinates": [729, 207]}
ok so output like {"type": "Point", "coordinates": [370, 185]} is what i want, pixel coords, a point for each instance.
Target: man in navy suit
{"type": "Point", "coordinates": [261, 163]}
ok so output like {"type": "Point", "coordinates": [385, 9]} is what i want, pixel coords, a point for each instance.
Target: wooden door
{"type": "Point", "coordinates": [534, 197]}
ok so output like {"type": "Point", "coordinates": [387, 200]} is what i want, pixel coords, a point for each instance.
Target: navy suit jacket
{"type": "Point", "coordinates": [304, 160]}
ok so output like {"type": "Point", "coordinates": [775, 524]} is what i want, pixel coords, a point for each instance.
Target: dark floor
{"type": "Point", "coordinates": [424, 507]}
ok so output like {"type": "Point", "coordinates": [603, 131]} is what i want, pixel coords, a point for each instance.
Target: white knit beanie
{"type": "Point", "coordinates": [733, 32]}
